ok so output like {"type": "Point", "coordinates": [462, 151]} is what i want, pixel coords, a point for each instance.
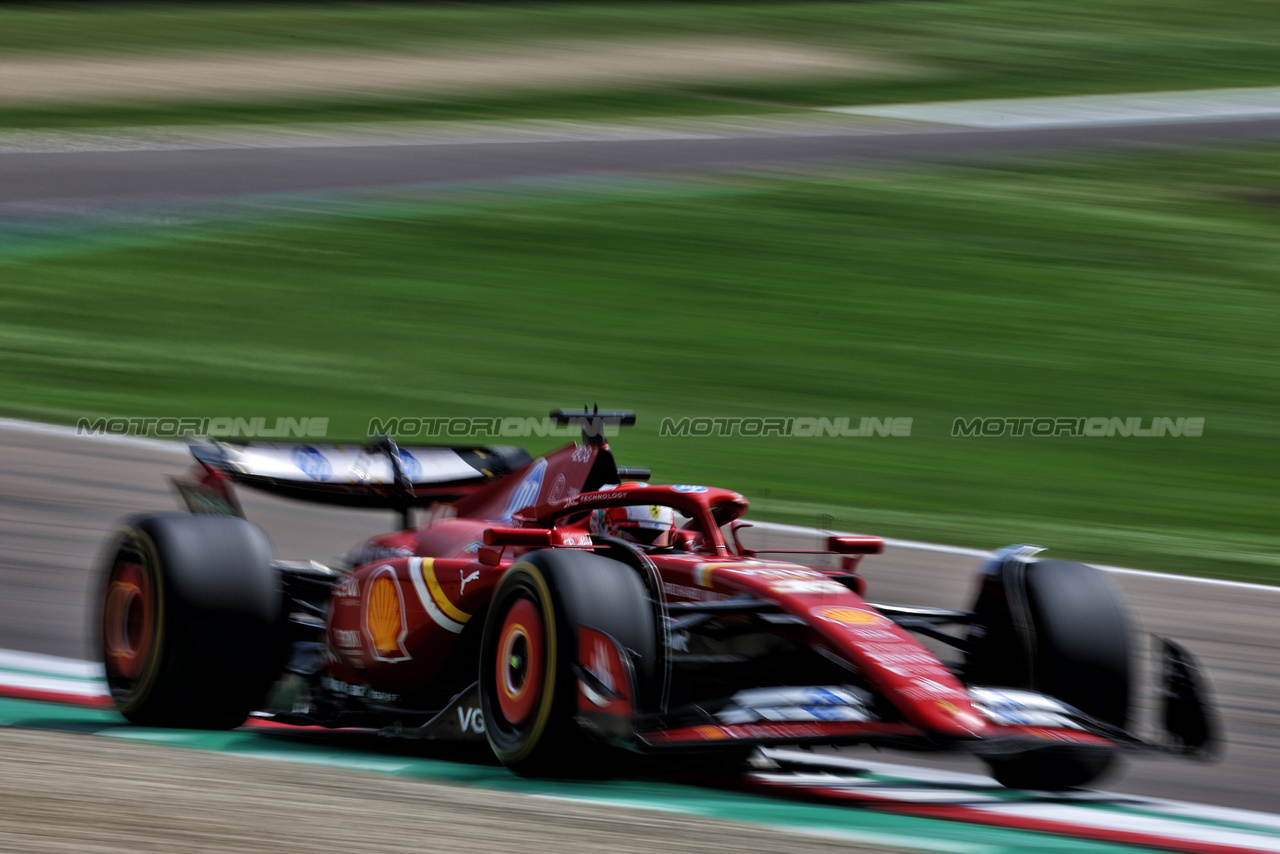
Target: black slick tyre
{"type": "Point", "coordinates": [190, 620]}
{"type": "Point", "coordinates": [1072, 640]}
{"type": "Point", "coordinates": [1082, 638]}
{"type": "Point", "coordinates": [528, 687]}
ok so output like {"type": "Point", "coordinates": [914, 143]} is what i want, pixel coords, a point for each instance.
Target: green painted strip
{"type": "Point", "coordinates": [355, 754]}
{"type": "Point", "coordinates": [54, 716]}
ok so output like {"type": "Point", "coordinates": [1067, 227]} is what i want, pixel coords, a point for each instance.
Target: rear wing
{"type": "Point", "coordinates": [382, 474]}
{"type": "Point", "coordinates": [377, 475]}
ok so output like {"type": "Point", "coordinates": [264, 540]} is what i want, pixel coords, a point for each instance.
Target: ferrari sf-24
{"type": "Point", "coordinates": [572, 616]}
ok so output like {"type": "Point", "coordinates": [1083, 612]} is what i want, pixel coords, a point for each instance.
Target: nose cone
{"type": "Point", "coordinates": [954, 717]}
{"type": "Point", "coordinates": [923, 689]}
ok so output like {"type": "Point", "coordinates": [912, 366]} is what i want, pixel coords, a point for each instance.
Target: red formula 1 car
{"type": "Point", "coordinates": [568, 613]}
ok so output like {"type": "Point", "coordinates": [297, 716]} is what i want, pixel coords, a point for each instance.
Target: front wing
{"type": "Point", "coordinates": [1018, 721]}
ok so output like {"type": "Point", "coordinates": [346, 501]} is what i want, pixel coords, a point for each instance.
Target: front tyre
{"type": "Point", "coordinates": [1051, 770]}
{"type": "Point", "coordinates": [528, 648]}
{"type": "Point", "coordinates": [191, 620]}
{"type": "Point", "coordinates": [1062, 629]}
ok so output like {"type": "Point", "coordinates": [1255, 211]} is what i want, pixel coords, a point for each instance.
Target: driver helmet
{"type": "Point", "coordinates": [645, 524]}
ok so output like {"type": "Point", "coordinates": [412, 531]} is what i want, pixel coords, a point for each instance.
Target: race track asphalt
{"type": "Point", "coordinates": [44, 182]}
{"type": "Point", "coordinates": [60, 496]}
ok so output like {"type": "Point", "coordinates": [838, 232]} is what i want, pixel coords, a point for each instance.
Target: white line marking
{"type": "Point", "coordinates": [65, 432]}
{"type": "Point", "coordinates": [625, 803]}
{"type": "Point", "coordinates": [50, 665]}
{"type": "Point", "coordinates": [1128, 822]}
{"type": "Point", "coordinates": [52, 684]}
{"type": "Point", "coordinates": [1205, 812]}
{"type": "Point", "coordinates": [1164, 576]}
{"type": "Point", "coordinates": [1086, 110]}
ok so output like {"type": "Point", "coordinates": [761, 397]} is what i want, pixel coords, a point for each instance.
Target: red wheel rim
{"type": "Point", "coordinates": [128, 620]}
{"type": "Point", "coordinates": [520, 662]}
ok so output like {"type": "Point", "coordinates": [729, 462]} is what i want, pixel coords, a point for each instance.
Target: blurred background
{"type": "Point", "coordinates": [953, 217]}
{"type": "Point", "coordinates": [179, 270]}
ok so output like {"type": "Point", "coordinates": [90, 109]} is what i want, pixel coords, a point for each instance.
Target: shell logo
{"type": "Point", "coordinates": [849, 616]}
{"type": "Point", "coordinates": [711, 733]}
{"type": "Point", "coordinates": [384, 615]}
{"type": "Point", "coordinates": [384, 620]}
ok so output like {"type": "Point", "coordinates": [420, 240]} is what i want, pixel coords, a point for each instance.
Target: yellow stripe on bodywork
{"type": "Point", "coordinates": [433, 584]}
{"type": "Point", "coordinates": [702, 572]}
{"type": "Point", "coordinates": [418, 572]}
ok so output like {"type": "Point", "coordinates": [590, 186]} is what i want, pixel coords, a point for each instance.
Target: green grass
{"type": "Point", "coordinates": [952, 50]}
{"type": "Point", "coordinates": [1120, 288]}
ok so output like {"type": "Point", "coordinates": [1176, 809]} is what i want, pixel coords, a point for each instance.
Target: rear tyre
{"type": "Point", "coordinates": [1066, 634]}
{"type": "Point", "coordinates": [528, 687]}
{"type": "Point", "coordinates": [191, 620]}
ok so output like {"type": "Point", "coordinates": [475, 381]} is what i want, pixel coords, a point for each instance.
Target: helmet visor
{"type": "Point", "coordinates": [646, 535]}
